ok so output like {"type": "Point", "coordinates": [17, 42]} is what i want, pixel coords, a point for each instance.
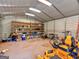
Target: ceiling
{"type": "Point", "coordinates": [59, 8]}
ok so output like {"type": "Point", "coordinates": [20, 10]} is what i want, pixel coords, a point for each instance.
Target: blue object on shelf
{"type": "Point", "coordinates": [34, 33]}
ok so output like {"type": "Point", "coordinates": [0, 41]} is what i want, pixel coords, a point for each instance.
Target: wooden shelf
{"type": "Point", "coordinates": [26, 27]}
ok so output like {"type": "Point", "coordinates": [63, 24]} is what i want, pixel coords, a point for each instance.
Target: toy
{"type": "Point", "coordinates": [23, 36]}
{"type": "Point", "coordinates": [31, 37]}
{"type": "Point", "coordinates": [63, 51]}
{"type": "Point", "coordinates": [27, 37]}
{"type": "Point", "coordinates": [68, 50]}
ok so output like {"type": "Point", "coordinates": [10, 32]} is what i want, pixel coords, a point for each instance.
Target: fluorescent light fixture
{"type": "Point", "coordinates": [45, 2]}
{"type": "Point", "coordinates": [36, 10]}
{"type": "Point", "coordinates": [29, 14]}
{"type": "Point", "coordinates": [5, 5]}
{"type": "Point", "coordinates": [7, 13]}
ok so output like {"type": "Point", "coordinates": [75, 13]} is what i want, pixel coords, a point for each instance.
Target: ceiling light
{"type": "Point", "coordinates": [29, 14]}
{"type": "Point", "coordinates": [7, 13]}
{"type": "Point", "coordinates": [45, 2]}
{"type": "Point", "coordinates": [5, 5]}
{"type": "Point", "coordinates": [36, 10]}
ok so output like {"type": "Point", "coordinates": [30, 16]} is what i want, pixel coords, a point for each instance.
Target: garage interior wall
{"type": "Point", "coordinates": [0, 29]}
{"type": "Point", "coordinates": [6, 24]}
{"type": "Point", "coordinates": [62, 25]}
{"type": "Point", "coordinates": [49, 27]}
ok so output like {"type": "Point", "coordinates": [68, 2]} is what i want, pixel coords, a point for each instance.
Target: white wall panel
{"type": "Point", "coordinates": [49, 27]}
{"type": "Point", "coordinates": [59, 25]}
{"type": "Point", "coordinates": [72, 23]}
{"type": "Point", "coordinates": [0, 30]}
{"type": "Point", "coordinates": [46, 27]}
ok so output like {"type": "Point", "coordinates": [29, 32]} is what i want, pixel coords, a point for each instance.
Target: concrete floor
{"type": "Point", "coordinates": [26, 49]}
